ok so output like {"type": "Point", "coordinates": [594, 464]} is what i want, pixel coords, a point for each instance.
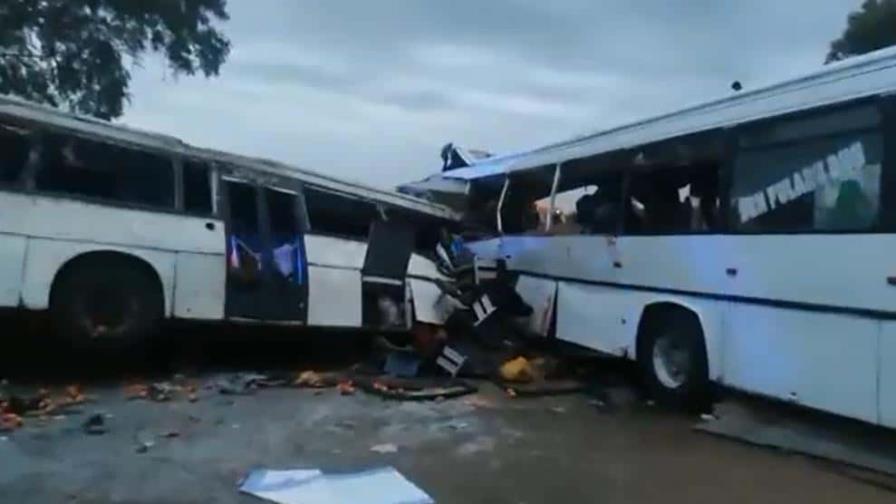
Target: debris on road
{"type": "Point", "coordinates": [10, 422]}
{"type": "Point", "coordinates": [95, 425]}
{"type": "Point", "coordinates": [376, 486]}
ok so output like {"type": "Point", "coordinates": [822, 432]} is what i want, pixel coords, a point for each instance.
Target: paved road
{"type": "Point", "coordinates": [485, 448]}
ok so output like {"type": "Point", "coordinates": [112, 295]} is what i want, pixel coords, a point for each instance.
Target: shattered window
{"type": "Point", "coordinates": [197, 188]}
{"type": "Point", "coordinates": [825, 184]}
{"type": "Point", "coordinates": [337, 214]}
{"type": "Point", "coordinates": [85, 168]}
{"type": "Point", "coordinates": [15, 147]}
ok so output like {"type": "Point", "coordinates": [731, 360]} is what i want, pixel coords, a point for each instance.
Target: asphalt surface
{"type": "Point", "coordinates": [484, 448]}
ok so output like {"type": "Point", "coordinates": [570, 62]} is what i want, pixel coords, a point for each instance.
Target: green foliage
{"type": "Point", "coordinates": [76, 53]}
{"type": "Point", "coordinates": [871, 28]}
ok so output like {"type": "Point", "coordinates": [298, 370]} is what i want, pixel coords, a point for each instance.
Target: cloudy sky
{"type": "Point", "coordinates": [371, 90]}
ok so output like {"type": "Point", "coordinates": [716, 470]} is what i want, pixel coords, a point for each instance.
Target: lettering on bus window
{"type": "Point", "coordinates": [197, 188]}
{"type": "Point", "coordinates": [339, 214]}
{"type": "Point", "coordinates": [82, 167]}
{"type": "Point", "coordinates": [825, 184]}
{"type": "Point", "coordinates": [15, 149]}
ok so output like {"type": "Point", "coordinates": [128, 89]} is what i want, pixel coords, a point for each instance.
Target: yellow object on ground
{"type": "Point", "coordinates": [517, 370]}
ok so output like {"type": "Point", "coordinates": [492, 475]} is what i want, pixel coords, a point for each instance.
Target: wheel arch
{"type": "Point", "coordinates": [46, 260]}
{"type": "Point", "coordinates": [139, 263]}
{"type": "Point", "coordinates": [708, 316]}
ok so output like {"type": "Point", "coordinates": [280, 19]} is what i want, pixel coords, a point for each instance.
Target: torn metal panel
{"type": "Point", "coordinates": [540, 294]}
{"type": "Point", "coordinates": [430, 305]}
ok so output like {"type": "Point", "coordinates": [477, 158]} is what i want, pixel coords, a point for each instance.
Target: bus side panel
{"type": "Point", "coordinates": [822, 360]}
{"type": "Point", "coordinates": [64, 219]}
{"type": "Point", "coordinates": [887, 375]}
{"type": "Point", "coordinates": [334, 297]}
{"type": "Point", "coordinates": [607, 319]}
{"type": "Point", "coordinates": [200, 286]}
{"type": "Point", "coordinates": [12, 260]}
{"type": "Point", "coordinates": [45, 257]}
{"type": "Point", "coordinates": [334, 280]}
{"type": "Point", "coordinates": [600, 318]}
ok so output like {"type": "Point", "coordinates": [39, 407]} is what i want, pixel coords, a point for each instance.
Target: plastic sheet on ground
{"type": "Point", "coordinates": [310, 486]}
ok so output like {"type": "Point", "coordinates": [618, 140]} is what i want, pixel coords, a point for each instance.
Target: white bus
{"type": "Point", "coordinates": [113, 229]}
{"type": "Point", "coordinates": [749, 241]}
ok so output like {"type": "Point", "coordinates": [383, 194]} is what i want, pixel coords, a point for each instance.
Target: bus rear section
{"type": "Point", "coordinates": [112, 231]}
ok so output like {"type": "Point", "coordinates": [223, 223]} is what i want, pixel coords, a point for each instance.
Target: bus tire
{"type": "Point", "coordinates": [106, 302]}
{"type": "Point", "coordinates": [672, 357]}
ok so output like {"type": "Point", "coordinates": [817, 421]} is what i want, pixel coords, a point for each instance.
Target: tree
{"type": "Point", "coordinates": [76, 54]}
{"type": "Point", "coordinates": [871, 28]}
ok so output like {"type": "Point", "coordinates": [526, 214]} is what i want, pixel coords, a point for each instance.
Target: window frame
{"type": "Point", "coordinates": [308, 218]}
{"type": "Point", "coordinates": [28, 184]}
{"type": "Point", "coordinates": [885, 220]}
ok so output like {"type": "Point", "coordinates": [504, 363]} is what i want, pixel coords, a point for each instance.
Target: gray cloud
{"type": "Point", "coordinates": [371, 90]}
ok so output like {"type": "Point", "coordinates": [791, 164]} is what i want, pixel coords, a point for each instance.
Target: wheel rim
{"type": "Point", "coordinates": [671, 361]}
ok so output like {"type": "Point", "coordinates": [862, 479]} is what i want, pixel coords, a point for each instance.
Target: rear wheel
{"type": "Point", "coordinates": [672, 356]}
{"type": "Point", "coordinates": [106, 302]}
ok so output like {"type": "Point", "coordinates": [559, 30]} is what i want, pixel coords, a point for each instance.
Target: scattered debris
{"type": "Point", "coordinates": [384, 448]}
{"type": "Point", "coordinates": [346, 387]}
{"type": "Point", "coordinates": [240, 383]}
{"type": "Point", "coordinates": [95, 425]}
{"type": "Point", "coordinates": [171, 434]}
{"type": "Point", "coordinates": [10, 422]}
{"type": "Point", "coordinates": [377, 486]}
{"type": "Point", "coordinates": [310, 379]}
{"type": "Point", "coordinates": [402, 364]}
{"type": "Point", "coordinates": [419, 389]}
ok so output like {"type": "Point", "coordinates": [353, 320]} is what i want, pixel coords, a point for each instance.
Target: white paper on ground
{"type": "Point", "coordinates": [377, 486]}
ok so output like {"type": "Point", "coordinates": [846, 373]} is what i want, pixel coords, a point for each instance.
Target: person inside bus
{"type": "Point", "coordinates": [598, 212]}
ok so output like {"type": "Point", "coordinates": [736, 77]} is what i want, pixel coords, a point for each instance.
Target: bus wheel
{"type": "Point", "coordinates": [106, 302]}
{"type": "Point", "coordinates": [672, 356]}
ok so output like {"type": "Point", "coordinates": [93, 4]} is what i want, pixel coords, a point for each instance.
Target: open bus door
{"type": "Point", "coordinates": [266, 267]}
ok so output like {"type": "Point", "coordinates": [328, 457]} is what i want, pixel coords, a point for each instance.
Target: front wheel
{"type": "Point", "coordinates": [673, 360]}
{"type": "Point", "coordinates": [106, 302]}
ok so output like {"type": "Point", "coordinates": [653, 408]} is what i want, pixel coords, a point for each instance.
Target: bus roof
{"type": "Point", "coordinates": [857, 77]}
{"type": "Point", "coordinates": [28, 112]}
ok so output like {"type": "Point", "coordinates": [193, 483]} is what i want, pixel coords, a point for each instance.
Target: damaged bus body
{"type": "Point", "coordinates": [113, 229]}
{"type": "Point", "coordinates": [747, 241]}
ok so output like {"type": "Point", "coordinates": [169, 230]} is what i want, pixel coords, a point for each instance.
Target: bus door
{"type": "Point", "coordinates": [266, 268]}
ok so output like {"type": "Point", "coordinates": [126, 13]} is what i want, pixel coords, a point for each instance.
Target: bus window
{"type": "Point", "coordinates": [15, 147]}
{"type": "Point", "coordinates": [338, 214]}
{"type": "Point", "coordinates": [586, 203]}
{"type": "Point", "coordinates": [96, 170]}
{"type": "Point", "coordinates": [828, 183]}
{"type": "Point", "coordinates": [675, 200]}
{"type": "Point", "coordinates": [197, 188]}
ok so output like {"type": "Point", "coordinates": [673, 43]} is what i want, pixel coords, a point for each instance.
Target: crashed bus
{"type": "Point", "coordinates": [112, 230]}
{"type": "Point", "coordinates": [747, 242]}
